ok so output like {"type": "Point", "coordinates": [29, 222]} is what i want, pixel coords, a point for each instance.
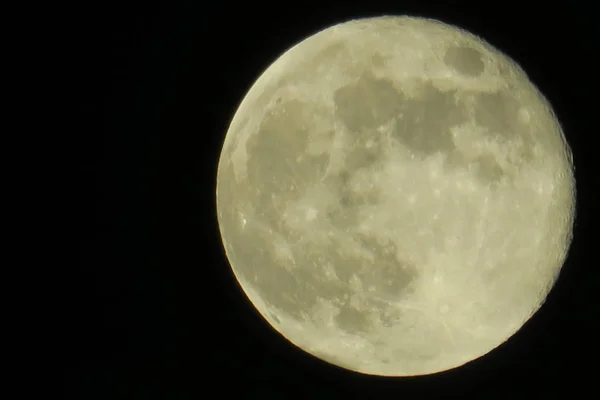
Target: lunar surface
{"type": "Point", "coordinates": [395, 196]}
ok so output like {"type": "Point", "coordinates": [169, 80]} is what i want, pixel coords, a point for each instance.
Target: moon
{"type": "Point", "coordinates": [395, 196]}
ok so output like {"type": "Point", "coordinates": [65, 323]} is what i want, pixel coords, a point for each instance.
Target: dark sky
{"type": "Point", "coordinates": [153, 310]}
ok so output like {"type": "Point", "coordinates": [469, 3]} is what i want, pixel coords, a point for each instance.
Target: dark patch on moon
{"type": "Point", "coordinates": [379, 60]}
{"type": "Point", "coordinates": [366, 151]}
{"type": "Point", "coordinates": [488, 169]}
{"type": "Point", "coordinates": [344, 213]}
{"type": "Point", "coordinates": [367, 104]}
{"type": "Point", "coordinates": [389, 277]}
{"type": "Point", "coordinates": [388, 316]}
{"type": "Point", "coordinates": [498, 112]}
{"type": "Point", "coordinates": [326, 57]}
{"type": "Point", "coordinates": [275, 318]}
{"type": "Point", "coordinates": [352, 320]}
{"type": "Point", "coordinates": [465, 60]}
{"type": "Point", "coordinates": [424, 122]}
{"type": "Point", "coordinates": [279, 167]}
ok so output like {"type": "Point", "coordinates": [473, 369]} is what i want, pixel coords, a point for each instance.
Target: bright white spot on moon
{"type": "Point", "coordinates": [311, 214]}
{"type": "Point", "coordinates": [395, 196]}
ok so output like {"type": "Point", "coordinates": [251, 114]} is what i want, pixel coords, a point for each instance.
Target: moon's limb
{"type": "Point", "coordinates": [395, 196]}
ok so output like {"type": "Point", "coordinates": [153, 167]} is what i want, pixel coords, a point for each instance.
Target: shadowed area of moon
{"type": "Point", "coordinates": [465, 60]}
{"type": "Point", "coordinates": [375, 207]}
{"type": "Point", "coordinates": [423, 123]}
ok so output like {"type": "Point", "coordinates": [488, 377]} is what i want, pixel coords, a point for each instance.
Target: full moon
{"type": "Point", "coordinates": [395, 196]}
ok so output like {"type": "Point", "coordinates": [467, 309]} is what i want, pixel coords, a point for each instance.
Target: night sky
{"type": "Point", "coordinates": [153, 309]}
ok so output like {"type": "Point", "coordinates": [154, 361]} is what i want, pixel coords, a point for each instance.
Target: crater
{"type": "Point", "coordinates": [464, 60]}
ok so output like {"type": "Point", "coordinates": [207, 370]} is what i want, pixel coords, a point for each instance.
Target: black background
{"type": "Point", "coordinates": [153, 309]}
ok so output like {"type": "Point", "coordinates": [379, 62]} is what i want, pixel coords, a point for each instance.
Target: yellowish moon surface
{"type": "Point", "coordinates": [395, 196]}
